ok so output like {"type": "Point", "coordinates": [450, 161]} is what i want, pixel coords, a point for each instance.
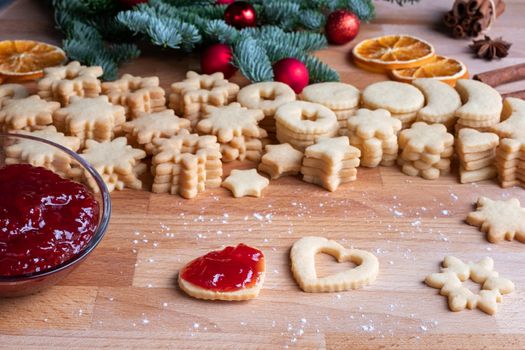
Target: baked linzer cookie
{"type": "Point", "coordinates": [442, 102]}
{"type": "Point", "coordinates": [281, 160]}
{"type": "Point", "coordinates": [12, 91]}
{"type": "Point", "coordinates": [303, 254]}
{"type": "Point", "coordinates": [136, 94]}
{"type": "Point", "coordinates": [146, 127]}
{"type": "Point", "coordinates": [27, 113]}
{"type": "Point", "coordinates": [62, 83]}
{"type": "Point", "coordinates": [40, 154]}
{"type": "Point", "coordinates": [90, 118]}
{"type": "Point", "coordinates": [189, 97]}
{"type": "Point", "coordinates": [118, 163]}
{"type": "Point", "coordinates": [450, 282]}
{"type": "Point", "coordinates": [231, 274]}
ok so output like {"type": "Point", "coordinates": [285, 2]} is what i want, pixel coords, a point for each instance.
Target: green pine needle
{"type": "Point", "coordinates": [252, 60]}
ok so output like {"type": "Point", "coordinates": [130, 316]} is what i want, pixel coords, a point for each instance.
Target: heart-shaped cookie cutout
{"type": "Point", "coordinates": [303, 266]}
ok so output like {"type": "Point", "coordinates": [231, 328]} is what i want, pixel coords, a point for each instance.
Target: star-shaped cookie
{"type": "Point", "coordinates": [423, 137]}
{"type": "Point", "coordinates": [454, 272]}
{"type": "Point", "coordinates": [90, 118]}
{"type": "Point", "coordinates": [281, 160]}
{"type": "Point", "coordinates": [230, 121]}
{"type": "Point", "coordinates": [332, 150]}
{"type": "Point", "coordinates": [28, 113]}
{"type": "Point", "coordinates": [245, 183]}
{"type": "Point", "coordinates": [499, 219]}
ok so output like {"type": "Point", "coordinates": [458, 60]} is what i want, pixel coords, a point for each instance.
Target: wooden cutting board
{"type": "Point", "coordinates": [124, 295]}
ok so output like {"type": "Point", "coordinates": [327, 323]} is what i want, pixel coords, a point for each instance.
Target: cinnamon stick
{"type": "Point", "coordinates": [503, 75]}
{"type": "Point", "coordinates": [458, 31]}
{"type": "Point", "coordinates": [449, 19]}
{"type": "Point", "coordinates": [460, 8]}
{"type": "Point", "coordinates": [517, 94]}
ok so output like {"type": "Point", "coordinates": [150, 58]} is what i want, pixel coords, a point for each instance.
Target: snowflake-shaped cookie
{"type": "Point", "coordinates": [30, 113]}
{"type": "Point", "coordinates": [90, 118]}
{"type": "Point", "coordinates": [230, 121]}
{"type": "Point", "coordinates": [423, 137]}
{"type": "Point", "coordinates": [499, 219]}
{"type": "Point", "coordinates": [245, 183]}
{"type": "Point", "coordinates": [367, 124]}
{"type": "Point", "coordinates": [332, 150]}
{"type": "Point", "coordinates": [116, 161]}
{"type": "Point", "coordinates": [455, 271]}
{"type": "Point", "coordinates": [148, 126]}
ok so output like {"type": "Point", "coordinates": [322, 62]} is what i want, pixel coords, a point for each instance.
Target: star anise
{"type": "Point", "coordinates": [490, 49]}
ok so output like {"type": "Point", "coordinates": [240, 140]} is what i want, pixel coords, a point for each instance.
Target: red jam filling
{"type": "Point", "coordinates": [226, 270]}
{"type": "Point", "coordinates": [45, 220]}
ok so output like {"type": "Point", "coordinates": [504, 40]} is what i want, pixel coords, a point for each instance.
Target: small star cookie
{"type": "Point", "coordinates": [230, 121]}
{"type": "Point", "coordinates": [499, 219]}
{"type": "Point", "coordinates": [281, 160]}
{"type": "Point", "coordinates": [455, 271]}
{"type": "Point", "coordinates": [90, 118]}
{"type": "Point", "coordinates": [148, 126]}
{"type": "Point", "coordinates": [332, 150]}
{"type": "Point", "coordinates": [30, 113]}
{"type": "Point", "coordinates": [245, 183]}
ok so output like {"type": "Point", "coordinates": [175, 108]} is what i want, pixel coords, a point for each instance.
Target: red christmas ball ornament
{"type": "Point", "coordinates": [224, 2]}
{"type": "Point", "coordinates": [131, 3]}
{"type": "Point", "coordinates": [341, 27]}
{"type": "Point", "coordinates": [292, 72]}
{"type": "Point", "coordinates": [240, 14]}
{"type": "Point", "coordinates": [217, 58]}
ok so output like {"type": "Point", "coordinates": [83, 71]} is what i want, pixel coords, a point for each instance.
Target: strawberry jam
{"type": "Point", "coordinates": [45, 220]}
{"type": "Point", "coordinates": [226, 270]}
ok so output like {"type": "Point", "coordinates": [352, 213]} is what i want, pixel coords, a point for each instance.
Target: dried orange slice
{"type": "Point", "coordinates": [446, 69]}
{"type": "Point", "coordinates": [26, 59]}
{"type": "Point", "coordinates": [388, 52]}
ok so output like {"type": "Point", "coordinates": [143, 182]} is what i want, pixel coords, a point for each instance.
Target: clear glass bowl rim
{"type": "Point", "coordinates": [103, 220]}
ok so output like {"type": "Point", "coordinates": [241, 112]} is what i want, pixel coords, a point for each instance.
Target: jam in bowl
{"type": "Point", "coordinates": [48, 223]}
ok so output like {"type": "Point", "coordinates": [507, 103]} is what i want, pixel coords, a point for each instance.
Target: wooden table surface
{"type": "Point", "coordinates": [125, 296]}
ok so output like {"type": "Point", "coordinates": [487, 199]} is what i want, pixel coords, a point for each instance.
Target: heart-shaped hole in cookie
{"type": "Point", "coordinates": [326, 265]}
{"type": "Point", "coordinates": [269, 95]}
{"type": "Point", "coordinates": [308, 115]}
{"type": "Point", "coordinates": [303, 256]}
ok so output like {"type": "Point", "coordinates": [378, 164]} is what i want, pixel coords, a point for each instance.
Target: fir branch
{"type": "Point", "coordinates": [364, 9]}
{"type": "Point", "coordinates": [219, 30]}
{"type": "Point", "coordinates": [252, 60]}
{"type": "Point", "coordinates": [312, 19]}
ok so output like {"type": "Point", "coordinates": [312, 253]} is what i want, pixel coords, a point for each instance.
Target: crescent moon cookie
{"type": "Point", "coordinates": [400, 99]}
{"type": "Point", "coordinates": [12, 91]}
{"type": "Point", "coordinates": [442, 101]}
{"type": "Point", "coordinates": [231, 274]}
{"type": "Point", "coordinates": [482, 104]}
{"type": "Point", "coordinates": [303, 266]}
{"type": "Point", "coordinates": [454, 272]}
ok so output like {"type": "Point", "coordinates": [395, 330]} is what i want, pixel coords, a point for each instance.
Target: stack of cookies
{"type": "Point", "coordinates": [426, 150]}
{"type": "Point", "coordinates": [477, 154]}
{"type": "Point", "coordinates": [189, 97]}
{"type": "Point", "coordinates": [481, 108]}
{"type": "Point", "coordinates": [342, 99]}
{"type": "Point", "coordinates": [301, 123]}
{"type": "Point", "coordinates": [136, 94]}
{"type": "Point", "coordinates": [375, 134]}
{"type": "Point", "coordinates": [330, 162]}
{"type": "Point", "coordinates": [236, 129]}
{"type": "Point", "coordinates": [403, 101]}
{"type": "Point", "coordinates": [267, 96]}
{"type": "Point", "coordinates": [442, 102]}
{"type": "Point", "coordinates": [186, 164]}
{"type": "Point", "coordinates": [62, 82]}
{"type": "Point", "coordinates": [510, 154]}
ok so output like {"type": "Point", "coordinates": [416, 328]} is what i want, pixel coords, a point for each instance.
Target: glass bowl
{"type": "Point", "coordinates": [19, 285]}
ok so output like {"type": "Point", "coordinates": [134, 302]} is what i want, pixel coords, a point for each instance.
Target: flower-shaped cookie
{"type": "Point", "coordinates": [379, 123]}
{"type": "Point", "coordinates": [423, 137]}
{"type": "Point", "coordinates": [499, 219]}
{"type": "Point", "coordinates": [455, 271]}
{"type": "Point", "coordinates": [12, 91]}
